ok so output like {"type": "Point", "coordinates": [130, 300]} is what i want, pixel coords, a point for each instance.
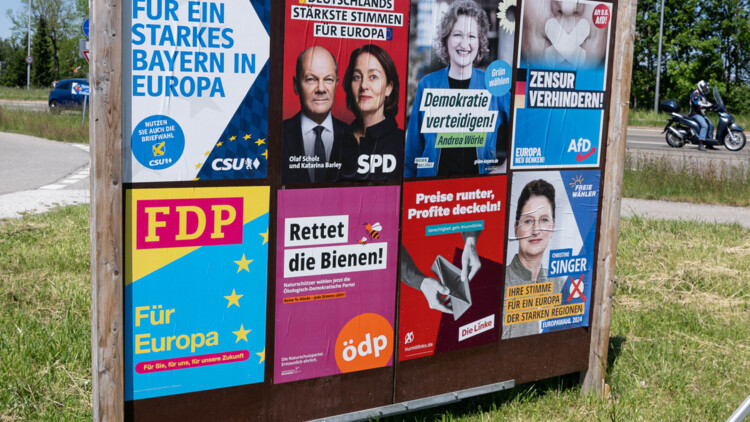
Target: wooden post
{"type": "Point", "coordinates": [105, 138]}
{"type": "Point", "coordinates": [593, 378]}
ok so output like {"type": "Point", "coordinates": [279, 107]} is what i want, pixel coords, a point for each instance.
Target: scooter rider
{"type": "Point", "coordinates": [699, 102]}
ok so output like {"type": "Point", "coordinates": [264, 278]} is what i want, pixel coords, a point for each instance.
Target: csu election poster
{"type": "Point", "coordinates": [335, 281]}
{"type": "Point", "coordinates": [561, 84]}
{"type": "Point", "coordinates": [196, 265]}
{"type": "Point", "coordinates": [344, 87]}
{"type": "Point", "coordinates": [451, 265]}
{"type": "Point", "coordinates": [196, 90]}
{"type": "Point", "coordinates": [550, 262]}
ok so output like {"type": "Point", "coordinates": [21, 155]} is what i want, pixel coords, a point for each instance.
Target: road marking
{"type": "Point", "coordinates": [52, 187]}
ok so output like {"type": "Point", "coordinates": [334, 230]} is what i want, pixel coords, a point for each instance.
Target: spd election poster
{"type": "Point", "coordinates": [196, 90]}
{"type": "Point", "coordinates": [196, 265]}
{"type": "Point", "coordinates": [561, 84]}
{"type": "Point", "coordinates": [451, 265]}
{"type": "Point", "coordinates": [550, 251]}
{"type": "Point", "coordinates": [335, 281]}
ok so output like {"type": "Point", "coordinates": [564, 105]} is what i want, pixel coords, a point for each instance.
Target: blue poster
{"type": "Point", "coordinates": [561, 84]}
{"type": "Point", "coordinates": [550, 261]}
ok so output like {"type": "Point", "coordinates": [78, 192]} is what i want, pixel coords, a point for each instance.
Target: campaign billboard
{"type": "Point", "coordinates": [451, 265]}
{"type": "Point", "coordinates": [344, 84]}
{"type": "Point", "coordinates": [550, 264]}
{"type": "Point", "coordinates": [561, 84]}
{"type": "Point", "coordinates": [196, 265]}
{"type": "Point", "coordinates": [335, 281]}
{"type": "Point", "coordinates": [459, 65]}
{"type": "Point", "coordinates": [196, 90]}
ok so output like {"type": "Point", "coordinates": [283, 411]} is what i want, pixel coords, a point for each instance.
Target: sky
{"type": "Point", "coordinates": [15, 5]}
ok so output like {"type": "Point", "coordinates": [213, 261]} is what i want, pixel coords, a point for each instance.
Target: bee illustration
{"type": "Point", "coordinates": [373, 230]}
{"type": "Point", "coordinates": [363, 241]}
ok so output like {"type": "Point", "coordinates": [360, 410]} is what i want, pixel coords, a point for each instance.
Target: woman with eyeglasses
{"type": "Point", "coordinates": [535, 222]}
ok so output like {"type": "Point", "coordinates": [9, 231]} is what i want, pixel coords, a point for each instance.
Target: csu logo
{"type": "Point", "coordinates": [221, 164]}
{"type": "Point", "coordinates": [583, 147]}
{"type": "Point", "coordinates": [370, 163]}
{"type": "Point", "coordinates": [365, 342]}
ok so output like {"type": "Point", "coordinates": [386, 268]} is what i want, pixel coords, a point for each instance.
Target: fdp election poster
{"type": "Point", "coordinates": [561, 83]}
{"type": "Point", "coordinates": [459, 59]}
{"type": "Point", "coordinates": [550, 251]}
{"type": "Point", "coordinates": [335, 281]}
{"type": "Point", "coordinates": [451, 265]}
{"type": "Point", "coordinates": [196, 90]}
{"type": "Point", "coordinates": [344, 88]}
{"type": "Point", "coordinates": [196, 264]}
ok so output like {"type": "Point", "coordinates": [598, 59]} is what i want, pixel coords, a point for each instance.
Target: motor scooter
{"type": "Point", "coordinates": [681, 129]}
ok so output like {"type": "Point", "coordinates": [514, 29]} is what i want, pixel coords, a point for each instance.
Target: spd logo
{"type": "Point", "coordinates": [365, 342]}
{"type": "Point", "coordinates": [370, 163]}
{"type": "Point", "coordinates": [583, 147]}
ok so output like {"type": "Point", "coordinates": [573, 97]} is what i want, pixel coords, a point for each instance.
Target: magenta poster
{"type": "Point", "coordinates": [335, 280]}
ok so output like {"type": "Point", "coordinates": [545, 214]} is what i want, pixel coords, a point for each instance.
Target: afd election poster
{"type": "Point", "coordinates": [561, 84]}
{"type": "Point", "coordinates": [451, 265]}
{"type": "Point", "coordinates": [196, 265]}
{"type": "Point", "coordinates": [550, 251]}
{"type": "Point", "coordinates": [344, 87]}
{"type": "Point", "coordinates": [459, 62]}
{"type": "Point", "coordinates": [335, 281]}
{"type": "Point", "coordinates": [196, 90]}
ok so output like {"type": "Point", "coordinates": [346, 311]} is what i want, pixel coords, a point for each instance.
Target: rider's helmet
{"type": "Point", "coordinates": [703, 87]}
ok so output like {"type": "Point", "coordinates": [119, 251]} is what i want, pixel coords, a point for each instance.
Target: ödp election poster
{"type": "Point", "coordinates": [335, 281]}
{"type": "Point", "coordinates": [550, 251]}
{"type": "Point", "coordinates": [561, 84]}
{"type": "Point", "coordinates": [196, 90]}
{"type": "Point", "coordinates": [451, 265]}
{"type": "Point", "coordinates": [459, 63]}
{"type": "Point", "coordinates": [344, 87]}
{"type": "Point", "coordinates": [196, 265]}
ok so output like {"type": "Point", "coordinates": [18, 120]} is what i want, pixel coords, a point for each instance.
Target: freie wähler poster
{"type": "Point", "coordinates": [550, 262]}
{"type": "Point", "coordinates": [451, 265]}
{"type": "Point", "coordinates": [196, 265]}
{"type": "Point", "coordinates": [561, 84]}
{"type": "Point", "coordinates": [345, 76]}
{"type": "Point", "coordinates": [196, 90]}
{"type": "Point", "coordinates": [460, 77]}
{"type": "Point", "coordinates": [335, 281]}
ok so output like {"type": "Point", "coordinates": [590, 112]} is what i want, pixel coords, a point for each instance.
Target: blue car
{"type": "Point", "coordinates": [68, 93]}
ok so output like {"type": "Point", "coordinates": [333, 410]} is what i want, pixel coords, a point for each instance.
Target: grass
{"type": "Point", "coordinates": [686, 181]}
{"type": "Point", "coordinates": [679, 347]}
{"type": "Point", "coordinates": [649, 118]}
{"type": "Point", "coordinates": [65, 127]}
{"type": "Point", "coordinates": [13, 93]}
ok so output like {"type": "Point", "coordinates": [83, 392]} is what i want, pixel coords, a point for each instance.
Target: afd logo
{"type": "Point", "coordinates": [583, 147]}
{"type": "Point", "coordinates": [223, 164]}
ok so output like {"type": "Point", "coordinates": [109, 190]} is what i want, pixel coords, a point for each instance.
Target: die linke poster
{"type": "Point", "coordinates": [336, 263]}
{"type": "Point", "coordinates": [196, 265]}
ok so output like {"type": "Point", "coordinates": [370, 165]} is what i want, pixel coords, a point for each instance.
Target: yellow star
{"type": "Point", "coordinates": [241, 334]}
{"type": "Point", "coordinates": [265, 154]}
{"type": "Point", "coordinates": [218, 144]}
{"type": "Point", "coordinates": [197, 166]}
{"type": "Point", "coordinates": [206, 153]}
{"type": "Point", "coordinates": [265, 237]}
{"type": "Point", "coordinates": [248, 136]}
{"type": "Point", "coordinates": [262, 355]}
{"type": "Point", "coordinates": [232, 138]}
{"type": "Point", "coordinates": [260, 142]}
{"type": "Point", "coordinates": [234, 299]}
{"type": "Point", "coordinates": [243, 263]}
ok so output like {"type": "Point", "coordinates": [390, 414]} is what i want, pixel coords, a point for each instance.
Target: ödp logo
{"type": "Point", "coordinates": [365, 342]}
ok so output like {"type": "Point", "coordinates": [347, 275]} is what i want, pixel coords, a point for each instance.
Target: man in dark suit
{"type": "Point", "coordinates": [312, 139]}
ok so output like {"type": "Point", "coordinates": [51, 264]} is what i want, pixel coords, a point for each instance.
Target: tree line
{"type": "Point", "coordinates": [703, 40]}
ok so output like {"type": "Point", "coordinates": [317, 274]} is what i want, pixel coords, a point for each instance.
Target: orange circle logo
{"type": "Point", "coordinates": [365, 342]}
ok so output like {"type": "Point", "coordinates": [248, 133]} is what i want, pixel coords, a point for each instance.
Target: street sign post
{"type": "Point", "coordinates": [83, 47]}
{"type": "Point", "coordinates": [29, 60]}
{"type": "Point", "coordinates": [85, 28]}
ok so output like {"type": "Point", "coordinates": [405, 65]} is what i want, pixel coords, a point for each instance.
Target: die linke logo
{"type": "Point", "coordinates": [583, 147]}
{"type": "Point", "coordinates": [365, 342]}
{"type": "Point", "coordinates": [173, 223]}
